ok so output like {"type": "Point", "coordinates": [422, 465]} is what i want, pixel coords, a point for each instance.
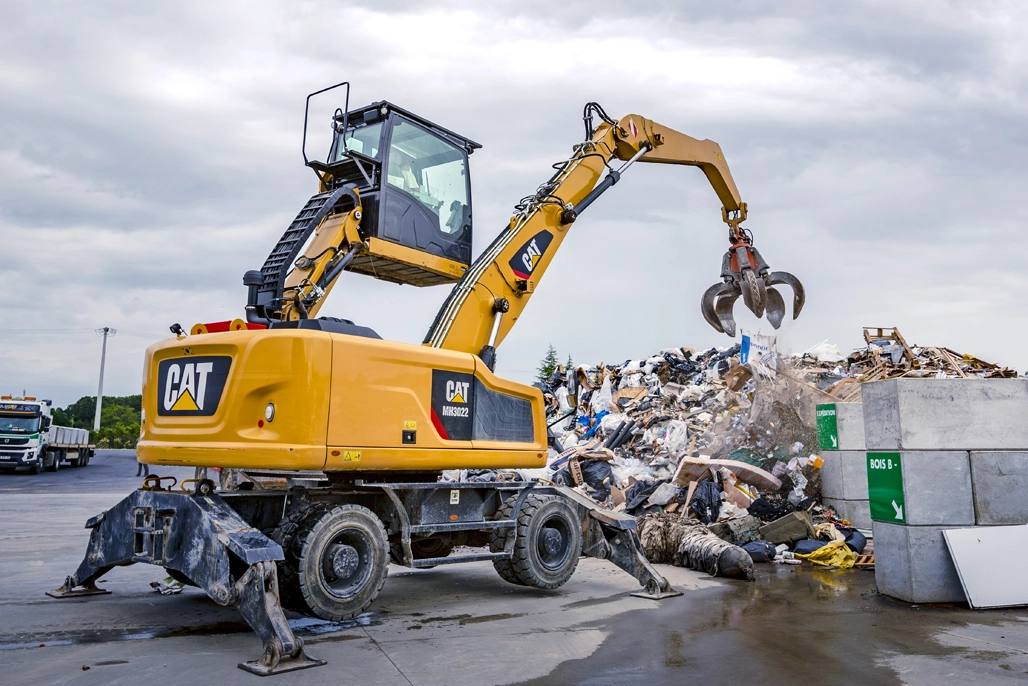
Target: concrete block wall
{"type": "Point", "coordinates": [946, 414]}
{"type": "Point", "coordinates": [963, 446]}
{"type": "Point", "coordinates": [844, 472]}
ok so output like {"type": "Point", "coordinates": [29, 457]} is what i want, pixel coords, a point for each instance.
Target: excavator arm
{"type": "Point", "coordinates": [494, 290]}
{"type": "Point", "coordinates": [489, 299]}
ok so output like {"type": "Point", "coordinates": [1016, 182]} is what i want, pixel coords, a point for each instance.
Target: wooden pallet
{"type": "Point", "coordinates": [865, 561]}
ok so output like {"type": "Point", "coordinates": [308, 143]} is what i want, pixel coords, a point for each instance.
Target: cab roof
{"type": "Point", "coordinates": [373, 112]}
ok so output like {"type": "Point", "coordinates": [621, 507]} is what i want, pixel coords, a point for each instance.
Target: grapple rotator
{"type": "Point", "coordinates": [745, 273]}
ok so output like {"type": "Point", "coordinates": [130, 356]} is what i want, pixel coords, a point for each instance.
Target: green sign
{"type": "Point", "coordinates": [885, 487]}
{"type": "Point", "coordinates": [827, 427]}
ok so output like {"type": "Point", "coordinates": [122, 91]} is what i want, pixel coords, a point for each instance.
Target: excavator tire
{"type": "Point", "coordinates": [548, 543]}
{"type": "Point", "coordinates": [287, 535]}
{"type": "Point", "coordinates": [497, 541]}
{"type": "Point", "coordinates": [341, 559]}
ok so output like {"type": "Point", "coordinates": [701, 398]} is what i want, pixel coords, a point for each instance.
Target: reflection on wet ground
{"type": "Point", "coordinates": [799, 625]}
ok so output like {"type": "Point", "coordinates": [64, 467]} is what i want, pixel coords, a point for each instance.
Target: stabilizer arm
{"type": "Point", "coordinates": [202, 539]}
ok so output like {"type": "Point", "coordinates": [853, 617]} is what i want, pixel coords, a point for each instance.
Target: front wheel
{"type": "Point", "coordinates": [548, 543]}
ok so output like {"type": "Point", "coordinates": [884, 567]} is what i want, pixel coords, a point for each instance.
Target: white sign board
{"type": "Point", "coordinates": [990, 561]}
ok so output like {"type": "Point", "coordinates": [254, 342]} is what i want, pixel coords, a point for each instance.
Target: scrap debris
{"type": "Point", "coordinates": [722, 443]}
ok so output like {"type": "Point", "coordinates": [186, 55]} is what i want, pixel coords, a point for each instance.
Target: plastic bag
{"type": "Point", "coordinates": [602, 398]}
{"type": "Point", "coordinates": [597, 473]}
{"type": "Point", "coordinates": [825, 352]}
{"type": "Point", "coordinates": [855, 540]}
{"type": "Point", "coordinates": [808, 546]}
{"type": "Point", "coordinates": [562, 400]}
{"type": "Point", "coordinates": [706, 501]}
{"type": "Point", "coordinates": [760, 551]}
{"type": "Point", "coordinates": [611, 422]}
{"type": "Point", "coordinates": [676, 436]}
{"type": "Point", "coordinates": [834, 554]}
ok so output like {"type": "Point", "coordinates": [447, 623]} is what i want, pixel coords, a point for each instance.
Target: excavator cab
{"type": "Point", "coordinates": [415, 191]}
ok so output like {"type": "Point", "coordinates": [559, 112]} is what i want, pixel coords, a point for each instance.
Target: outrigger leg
{"type": "Point", "coordinates": [200, 539]}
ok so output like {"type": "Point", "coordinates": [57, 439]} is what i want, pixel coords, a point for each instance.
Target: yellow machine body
{"type": "Point", "coordinates": [338, 403]}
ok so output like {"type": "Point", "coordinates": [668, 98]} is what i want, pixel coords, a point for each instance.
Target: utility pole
{"type": "Point", "coordinates": [105, 332]}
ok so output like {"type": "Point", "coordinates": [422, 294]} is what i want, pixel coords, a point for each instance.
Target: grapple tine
{"type": "Point", "coordinates": [775, 307]}
{"type": "Point", "coordinates": [724, 307]}
{"type": "Point", "coordinates": [707, 305]}
{"type": "Point", "coordinates": [753, 293]}
{"type": "Point", "coordinates": [798, 294]}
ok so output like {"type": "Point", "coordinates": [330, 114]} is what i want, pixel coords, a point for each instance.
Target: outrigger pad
{"type": "Point", "coordinates": [290, 664]}
{"type": "Point", "coordinates": [68, 590]}
{"type": "Point", "coordinates": [659, 595]}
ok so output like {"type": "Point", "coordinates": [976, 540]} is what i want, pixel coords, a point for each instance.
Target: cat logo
{"type": "Point", "coordinates": [191, 386]}
{"type": "Point", "coordinates": [457, 391]}
{"type": "Point", "coordinates": [525, 260]}
{"type": "Point", "coordinates": [453, 399]}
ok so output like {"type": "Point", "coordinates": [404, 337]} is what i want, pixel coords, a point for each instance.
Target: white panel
{"type": "Point", "coordinates": [990, 561]}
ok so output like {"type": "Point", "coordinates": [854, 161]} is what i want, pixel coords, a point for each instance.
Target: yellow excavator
{"type": "Point", "coordinates": [370, 424]}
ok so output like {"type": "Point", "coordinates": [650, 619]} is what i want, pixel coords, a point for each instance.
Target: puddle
{"type": "Point", "coordinates": [302, 626]}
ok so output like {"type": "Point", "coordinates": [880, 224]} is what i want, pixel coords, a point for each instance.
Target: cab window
{"type": "Point", "coordinates": [365, 140]}
{"type": "Point", "coordinates": [432, 170]}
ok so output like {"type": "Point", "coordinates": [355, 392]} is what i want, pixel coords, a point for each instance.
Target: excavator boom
{"type": "Point", "coordinates": [486, 303]}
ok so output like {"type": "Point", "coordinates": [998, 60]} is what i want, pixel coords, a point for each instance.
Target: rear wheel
{"type": "Point", "coordinates": [548, 543]}
{"type": "Point", "coordinates": [55, 461]}
{"type": "Point", "coordinates": [336, 560]}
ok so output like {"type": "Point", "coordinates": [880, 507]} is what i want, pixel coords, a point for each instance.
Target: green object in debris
{"type": "Point", "coordinates": [744, 455]}
{"type": "Point", "coordinates": [885, 488]}
{"type": "Point", "coordinates": [827, 427]}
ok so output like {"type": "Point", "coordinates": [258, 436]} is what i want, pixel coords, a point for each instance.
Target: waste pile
{"type": "Point", "coordinates": [886, 356]}
{"type": "Point", "coordinates": [720, 446]}
{"type": "Point", "coordinates": [711, 450]}
{"type": "Point", "coordinates": [723, 442]}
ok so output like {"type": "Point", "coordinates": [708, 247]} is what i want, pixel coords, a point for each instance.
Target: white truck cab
{"type": "Point", "coordinates": [28, 437]}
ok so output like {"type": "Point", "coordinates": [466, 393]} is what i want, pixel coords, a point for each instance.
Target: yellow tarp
{"type": "Point", "coordinates": [835, 554]}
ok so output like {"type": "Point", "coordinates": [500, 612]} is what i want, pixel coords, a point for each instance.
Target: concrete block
{"type": "Point", "coordinates": [945, 414]}
{"type": "Point", "coordinates": [913, 564]}
{"type": "Point", "coordinates": [844, 474]}
{"type": "Point", "coordinates": [831, 474]}
{"type": "Point", "coordinates": [937, 488]}
{"type": "Point", "coordinates": [1000, 487]}
{"type": "Point", "coordinates": [849, 417]}
{"type": "Point", "coordinates": [857, 512]}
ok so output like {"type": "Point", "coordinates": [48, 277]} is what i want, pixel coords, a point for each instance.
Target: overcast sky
{"type": "Point", "coordinates": [150, 156]}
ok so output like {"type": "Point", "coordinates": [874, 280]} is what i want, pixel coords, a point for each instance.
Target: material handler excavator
{"type": "Point", "coordinates": [374, 423]}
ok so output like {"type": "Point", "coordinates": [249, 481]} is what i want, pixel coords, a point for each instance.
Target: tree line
{"type": "Point", "coordinates": [119, 419]}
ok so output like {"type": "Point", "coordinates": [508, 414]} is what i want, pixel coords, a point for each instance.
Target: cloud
{"type": "Point", "coordinates": [151, 155]}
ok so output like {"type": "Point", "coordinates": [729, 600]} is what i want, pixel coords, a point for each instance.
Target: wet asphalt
{"type": "Point", "coordinates": [463, 625]}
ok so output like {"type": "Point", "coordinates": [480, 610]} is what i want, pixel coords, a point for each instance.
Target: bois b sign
{"type": "Point", "coordinates": [885, 488]}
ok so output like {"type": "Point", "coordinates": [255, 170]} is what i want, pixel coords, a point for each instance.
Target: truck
{"type": "Point", "coordinates": [380, 422]}
{"type": "Point", "coordinates": [29, 438]}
